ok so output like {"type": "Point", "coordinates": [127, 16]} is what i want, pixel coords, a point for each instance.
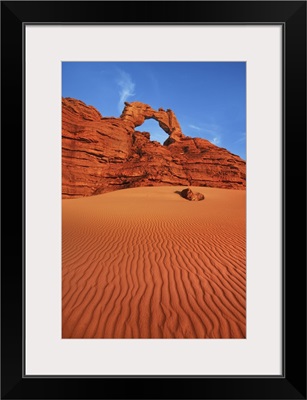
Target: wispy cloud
{"type": "Point", "coordinates": [216, 140]}
{"type": "Point", "coordinates": [211, 131]}
{"type": "Point", "coordinates": [154, 84]}
{"type": "Point", "coordinates": [197, 128]}
{"type": "Point", "coordinates": [241, 139]}
{"type": "Point", "coordinates": [126, 88]}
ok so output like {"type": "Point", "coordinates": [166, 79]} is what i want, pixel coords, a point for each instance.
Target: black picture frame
{"type": "Point", "coordinates": [292, 16]}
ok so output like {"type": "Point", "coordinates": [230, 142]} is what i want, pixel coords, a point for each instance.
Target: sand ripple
{"type": "Point", "coordinates": [145, 263]}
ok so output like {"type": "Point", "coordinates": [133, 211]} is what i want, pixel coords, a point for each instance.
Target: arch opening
{"type": "Point", "coordinates": [156, 132]}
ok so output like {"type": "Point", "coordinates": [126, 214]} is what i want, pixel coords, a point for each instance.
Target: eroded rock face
{"type": "Point", "coordinates": [190, 195]}
{"type": "Point", "coordinates": [102, 154]}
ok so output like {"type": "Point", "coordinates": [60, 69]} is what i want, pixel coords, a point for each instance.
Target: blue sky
{"type": "Point", "coordinates": [208, 98]}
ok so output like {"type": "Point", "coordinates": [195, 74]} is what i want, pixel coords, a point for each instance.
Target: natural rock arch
{"type": "Point", "coordinates": [103, 154]}
{"type": "Point", "coordinates": [136, 113]}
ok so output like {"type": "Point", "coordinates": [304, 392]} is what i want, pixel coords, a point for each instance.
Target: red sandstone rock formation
{"type": "Point", "coordinates": [101, 154]}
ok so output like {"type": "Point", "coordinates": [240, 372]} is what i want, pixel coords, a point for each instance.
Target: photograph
{"type": "Point", "coordinates": [154, 200]}
{"type": "Point", "coordinates": [159, 155]}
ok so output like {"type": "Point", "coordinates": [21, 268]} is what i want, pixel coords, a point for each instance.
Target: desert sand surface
{"type": "Point", "coordinates": [146, 263]}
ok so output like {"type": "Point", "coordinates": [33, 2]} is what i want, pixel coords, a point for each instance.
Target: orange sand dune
{"type": "Point", "coordinates": [146, 263]}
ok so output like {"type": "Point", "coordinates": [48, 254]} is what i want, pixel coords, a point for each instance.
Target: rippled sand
{"type": "Point", "coordinates": [146, 263]}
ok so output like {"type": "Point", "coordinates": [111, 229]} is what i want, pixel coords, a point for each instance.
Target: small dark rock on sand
{"type": "Point", "coordinates": [190, 195]}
